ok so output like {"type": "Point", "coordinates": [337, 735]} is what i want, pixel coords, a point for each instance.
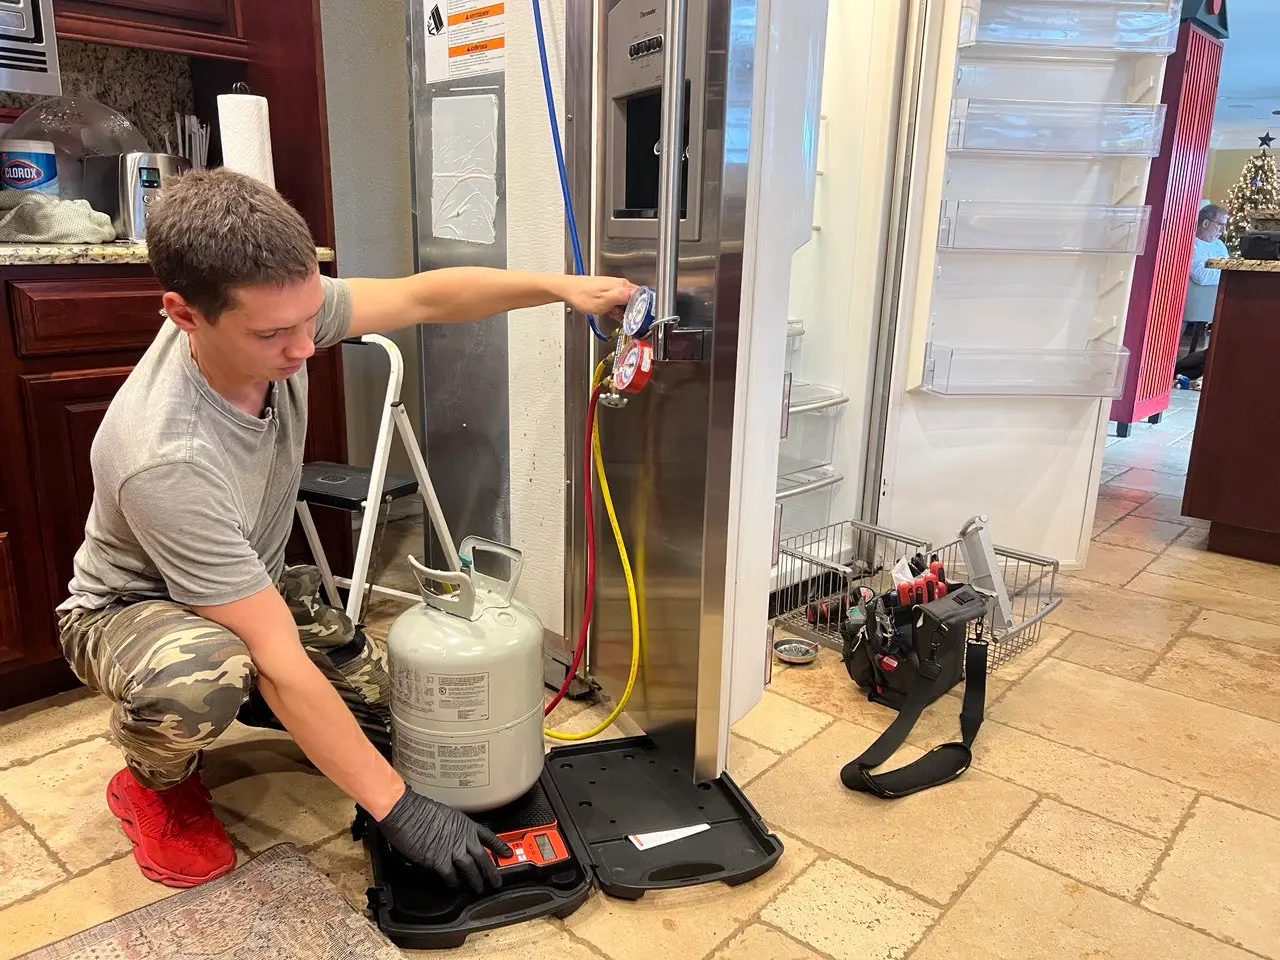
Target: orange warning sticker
{"type": "Point", "coordinates": [465, 38]}
{"type": "Point", "coordinates": [479, 13]}
{"type": "Point", "coordinates": [480, 46]}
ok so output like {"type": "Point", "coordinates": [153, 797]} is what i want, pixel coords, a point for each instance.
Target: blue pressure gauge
{"type": "Point", "coordinates": [638, 317]}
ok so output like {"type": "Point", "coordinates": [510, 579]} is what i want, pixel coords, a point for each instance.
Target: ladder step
{"type": "Point", "coordinates": [345, 487]}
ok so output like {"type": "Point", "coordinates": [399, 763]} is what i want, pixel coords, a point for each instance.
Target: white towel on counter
{"type": "Point", "coordinates": [30, 217]}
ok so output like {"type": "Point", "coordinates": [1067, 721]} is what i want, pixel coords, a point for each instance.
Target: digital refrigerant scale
{"type": "Point", "coordinates": [622, 815]}
{"type": "Point", "coordinates": [545, 875]}
{"type": "Point", "coordinates": [535, 846]}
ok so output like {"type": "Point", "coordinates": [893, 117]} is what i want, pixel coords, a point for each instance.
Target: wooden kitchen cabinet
{"type": "Point", "coordinates": [211, 28]}
{"type": "Point", "coordinates": [63, 412]}
{"type": "Point", "coordinates": [69, 337]}
{"type": "Point", "coordinates": [9, 647]}
{"type": "Point", "coordinates": [70, 334]}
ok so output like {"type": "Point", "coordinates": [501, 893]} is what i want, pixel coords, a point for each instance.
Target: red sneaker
{"type": "Point", "coordinates": [177, 838]}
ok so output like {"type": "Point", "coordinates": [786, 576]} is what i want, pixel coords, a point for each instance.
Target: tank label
{"type": "Point", "coordinates": [456, 698]}
{"type": "Point", "coordinates": [456, 765]}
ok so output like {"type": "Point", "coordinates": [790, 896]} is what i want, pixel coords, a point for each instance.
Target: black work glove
{"type": "Point", "coordinates": [447, 841]}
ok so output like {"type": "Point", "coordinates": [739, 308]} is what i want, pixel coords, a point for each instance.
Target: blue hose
{"type": "Point", "coordinates": [564, 176]}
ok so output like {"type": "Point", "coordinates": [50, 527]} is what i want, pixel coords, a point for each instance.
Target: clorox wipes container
{"type": "Point", "coordinates": [466, 685]}
{"type": "Point", "coordinates": [29, 165]}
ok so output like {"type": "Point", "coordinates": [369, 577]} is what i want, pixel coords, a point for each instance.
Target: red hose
{"type": "Point", "coordinates": [588, 508]}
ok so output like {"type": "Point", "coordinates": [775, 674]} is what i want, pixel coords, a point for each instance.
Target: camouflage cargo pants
{"type": "Point", "coordinates": [178, 680]}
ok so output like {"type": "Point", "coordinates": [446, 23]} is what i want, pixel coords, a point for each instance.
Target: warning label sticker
{"type": "Point", "coordinates": [457, 765]}
{"type": "Point", "coordinates": [465, 38]}
{"type": "Point", "coordinates": [452, 698]}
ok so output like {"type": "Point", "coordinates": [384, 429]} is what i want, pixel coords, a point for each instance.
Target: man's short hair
{"type": "Point", "coordinates": [1211, 211]}
{"type": "Point", "coordinates": [212, 231]}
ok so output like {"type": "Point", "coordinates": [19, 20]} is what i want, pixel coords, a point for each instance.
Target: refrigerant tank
{"type": "Point", "coordinates": [466, 686]}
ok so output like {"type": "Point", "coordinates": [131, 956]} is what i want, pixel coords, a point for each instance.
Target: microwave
{"type": "Point", "coordinates": [29, 48]}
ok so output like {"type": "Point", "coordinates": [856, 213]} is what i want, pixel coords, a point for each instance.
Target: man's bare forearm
{"type": "Point", "coordinates": [305, 702]}
{"type": "Point", "coordinates": [448, 295]}
{"type": "Point", "coordinates": [459, 294]}
{"type": "Point", "coordinates": [311, 710]}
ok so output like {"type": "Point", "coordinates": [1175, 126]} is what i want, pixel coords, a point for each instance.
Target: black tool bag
{"type": "Point", "coordinates": [906, 657]}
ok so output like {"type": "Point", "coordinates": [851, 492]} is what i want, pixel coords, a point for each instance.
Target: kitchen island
{"type": "Point", "coordinates": [1235, 460]}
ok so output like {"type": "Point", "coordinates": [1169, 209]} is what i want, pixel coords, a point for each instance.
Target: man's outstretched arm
{"type": "Point", "coordinates": [456, 294]}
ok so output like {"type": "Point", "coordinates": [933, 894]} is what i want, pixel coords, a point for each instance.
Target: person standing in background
{"type": "Point", "coordinates": [1202, 285]}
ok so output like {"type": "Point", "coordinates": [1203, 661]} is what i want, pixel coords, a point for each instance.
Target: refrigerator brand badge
{"type": "Point", "coordinates": [465, 38]}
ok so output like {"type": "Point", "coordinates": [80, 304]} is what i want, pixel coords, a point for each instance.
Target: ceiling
{"type": "Point", "coordinates": [1249, 87]}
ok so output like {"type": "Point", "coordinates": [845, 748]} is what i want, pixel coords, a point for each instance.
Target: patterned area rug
{"type": "Point", "coordinates": [277, 906]}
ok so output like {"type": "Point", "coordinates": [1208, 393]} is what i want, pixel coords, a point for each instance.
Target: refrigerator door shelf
{"type": "Point", "coordinates": [1000, 226]}
{"type": "Point", "coordinates": [1066, 28]}
{"type": "Point", "coordinates": [1097, 371]}
{"type": "Point", "coordinates": [1048, 128]}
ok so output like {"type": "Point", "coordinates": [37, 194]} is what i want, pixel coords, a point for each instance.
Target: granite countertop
{"type": "Point", "coordinates": [1238, 263]}
{"type": "Point", "coordinates": [38, 254]}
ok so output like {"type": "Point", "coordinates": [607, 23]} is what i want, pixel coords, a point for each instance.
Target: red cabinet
{"type": "Point", "coordinates": [201, 28]}
{"type": "Point", "coordinates": [218, 14]}
{"type": "Point", "coordinates": [10, 649]}
{"type": "Point", "coordinates": [70, 316]}
{"type": "Point", "coordinates": [63, 412]}
{"type": "Point", "coordinates": [69, 336]}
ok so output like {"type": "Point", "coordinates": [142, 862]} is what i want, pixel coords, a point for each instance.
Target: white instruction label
{"type": "Point", "coordinates": [647, 841]}
{"type": "Point", "coordinates": [451, 698]}
{"type": "Point", "coordinates": [465, 38]}
{"type": "Point", "coordinates": [457, 765]}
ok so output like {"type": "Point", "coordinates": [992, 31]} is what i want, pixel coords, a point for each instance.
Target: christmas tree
{"type": "Point", "coordinates": [1257, 189]}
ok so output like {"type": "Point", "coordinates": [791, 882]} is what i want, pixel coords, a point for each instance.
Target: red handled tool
{"type": "Point", "coordinates": [937, 571]}
{"type": "Point", "coordinates": [904, 594]}
{"type": "Point", "coordinates": [827, 611]}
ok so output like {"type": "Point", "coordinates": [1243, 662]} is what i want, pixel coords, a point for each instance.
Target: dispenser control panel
{"type": "Point", "coordinates": [642, 48]}
{"type": "Point", "coordinates": [634, 42]}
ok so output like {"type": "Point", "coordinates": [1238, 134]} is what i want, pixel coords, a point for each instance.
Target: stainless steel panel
{"type": "Point", "coordinates": [581, 142]}
{"type": "Point", "coordinates": [668, 451]}
{"type": "Point", "coordinates": [465, 397]}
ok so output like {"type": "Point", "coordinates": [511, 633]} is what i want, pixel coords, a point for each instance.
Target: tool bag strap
{"type": "Point", "coordinates": [943, 763]}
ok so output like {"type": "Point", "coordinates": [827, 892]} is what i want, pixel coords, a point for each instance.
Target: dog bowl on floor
{"type": "Point", "coordinates": [795, 650]}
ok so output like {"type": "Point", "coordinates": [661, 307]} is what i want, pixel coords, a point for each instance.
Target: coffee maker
{"type": "Point", "coordinates": [124, 185]}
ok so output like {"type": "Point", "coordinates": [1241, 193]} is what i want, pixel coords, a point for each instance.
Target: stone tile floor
{"type": "Point", "coordinates": [1124, 800]}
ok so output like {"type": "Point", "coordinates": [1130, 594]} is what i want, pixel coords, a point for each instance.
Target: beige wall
{"type": "Point", "coordinates": [1222, 172]}
{"type": "Point", "coordinates": [367, 88]}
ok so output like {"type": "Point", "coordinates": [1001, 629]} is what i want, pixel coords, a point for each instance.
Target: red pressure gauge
{"type": "Point", "coordinates": [632, 372]}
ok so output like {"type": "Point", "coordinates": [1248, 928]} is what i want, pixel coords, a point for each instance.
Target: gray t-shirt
{"type": "Point", "coordinates": [194, 499]}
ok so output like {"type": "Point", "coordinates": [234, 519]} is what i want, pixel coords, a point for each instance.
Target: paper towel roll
{"type": "Point", "coordinates": [246, 136]}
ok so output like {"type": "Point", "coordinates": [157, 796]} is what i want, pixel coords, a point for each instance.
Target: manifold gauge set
{"type": "Point", "coordinates": [633, 358]}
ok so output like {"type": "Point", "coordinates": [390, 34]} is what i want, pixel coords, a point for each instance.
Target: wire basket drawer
{"type": "Point", "coordinates": [819, 570]}
{"type": "Point", "coordinates": [1031, 584]}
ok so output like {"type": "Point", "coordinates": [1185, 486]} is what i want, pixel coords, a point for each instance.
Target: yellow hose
{"type": "Point", "coordinates": [626, 570]}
